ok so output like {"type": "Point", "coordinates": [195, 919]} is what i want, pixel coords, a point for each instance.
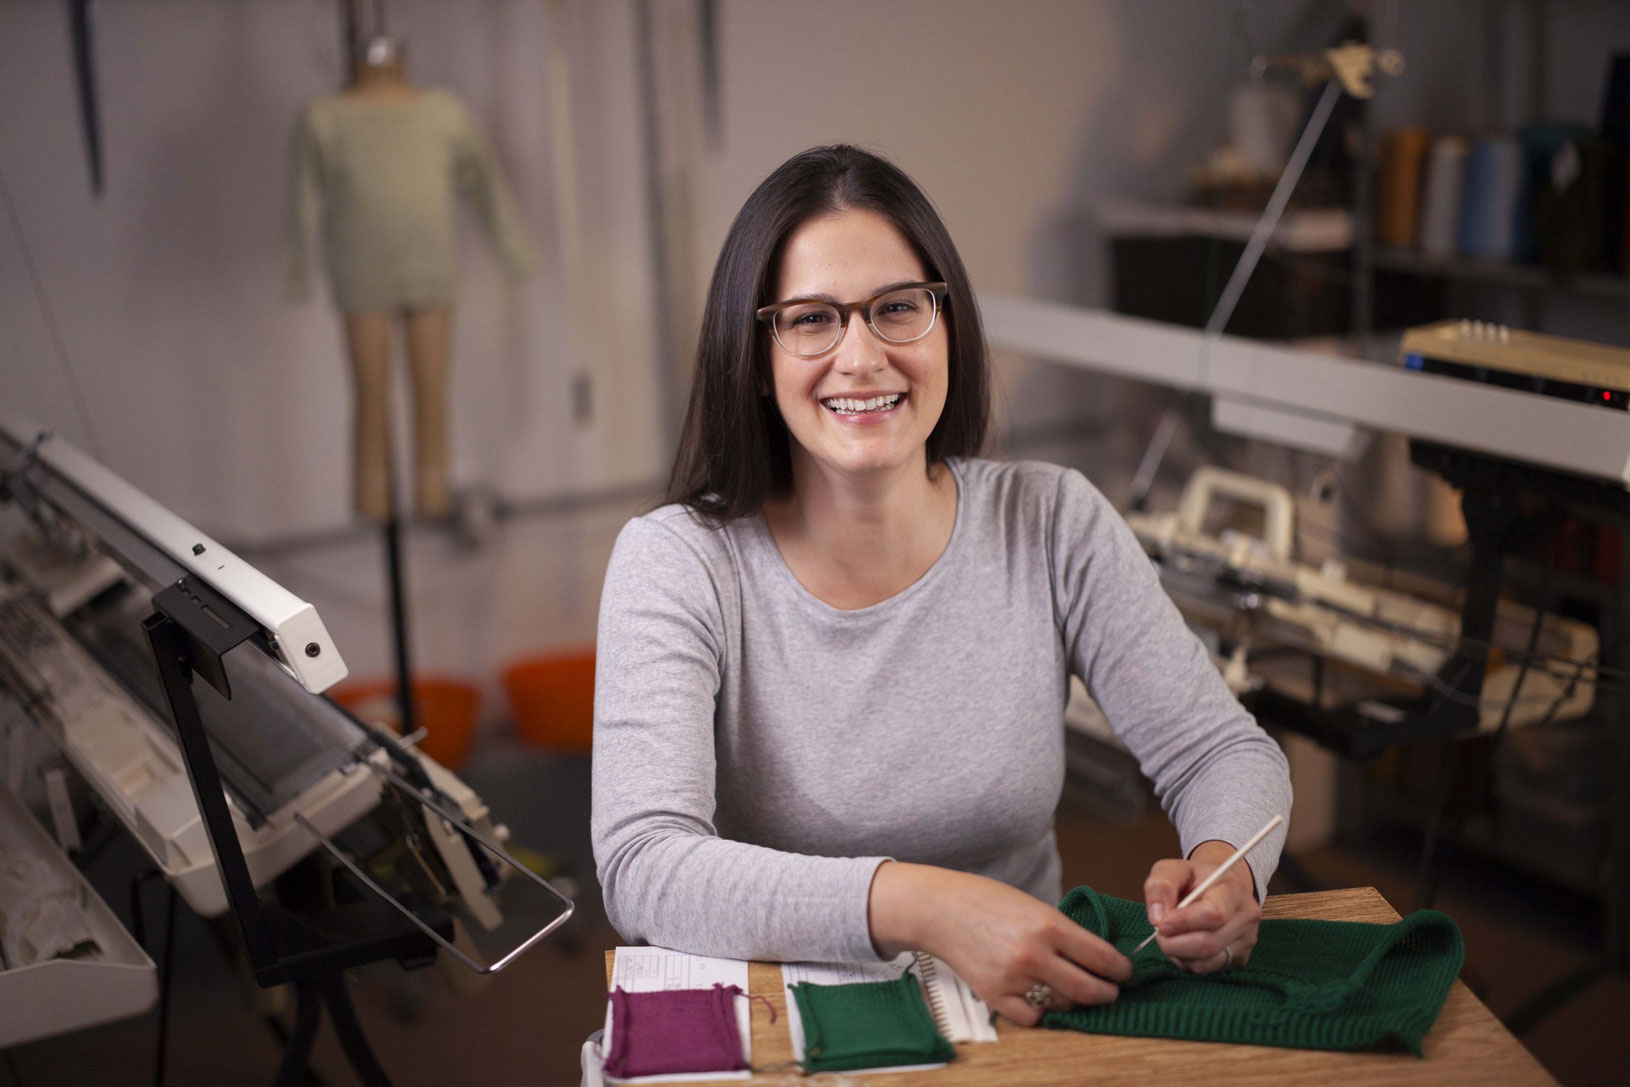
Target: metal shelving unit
{"type": "Point", "coordinates": [1499, 273]}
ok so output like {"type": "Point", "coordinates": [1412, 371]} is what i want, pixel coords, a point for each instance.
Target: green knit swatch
{"type": "Point", "coordinates": [870, 1024]}
{"type": "Point", "coordinates": [1309, 984]}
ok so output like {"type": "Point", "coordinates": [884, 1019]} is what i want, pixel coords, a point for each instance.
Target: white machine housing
{"type": "Point", "coordinates": [298, 637]}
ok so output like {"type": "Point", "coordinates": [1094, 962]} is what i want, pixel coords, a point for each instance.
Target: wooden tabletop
{"type": "Point", "coordinates": [1467, 1045]}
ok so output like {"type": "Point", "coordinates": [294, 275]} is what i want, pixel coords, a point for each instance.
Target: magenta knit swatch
{"type": "Point", "coordinates": [676, 1030]}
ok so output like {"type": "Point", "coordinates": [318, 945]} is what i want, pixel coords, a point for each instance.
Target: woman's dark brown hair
{"type": "Point", "coordinates": [733, 450]}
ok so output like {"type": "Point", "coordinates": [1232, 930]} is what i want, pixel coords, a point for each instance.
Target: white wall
{"type": "Point", "coordinates": [200, 381]}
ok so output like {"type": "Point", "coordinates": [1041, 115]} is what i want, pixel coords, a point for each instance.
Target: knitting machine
{"type": "Point", "coordinates": [1255, 599]}
{"type": "Point", "coordinates": [110, 608]}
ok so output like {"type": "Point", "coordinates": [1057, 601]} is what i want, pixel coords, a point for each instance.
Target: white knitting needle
{"type": "Point", "coordinates": [1205, 884]}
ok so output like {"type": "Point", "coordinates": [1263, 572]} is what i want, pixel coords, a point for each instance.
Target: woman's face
{"type": "Point", "coordinates": [844, 257]}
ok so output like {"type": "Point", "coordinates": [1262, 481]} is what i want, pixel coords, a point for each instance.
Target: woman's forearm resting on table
{"type": "Point", "coordinates": [998, 939]}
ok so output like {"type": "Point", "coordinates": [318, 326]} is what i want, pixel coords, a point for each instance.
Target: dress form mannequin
{"type": "Point", "coordinates": [384, 157]}
{"type": "Point", "coordinates": [380, 75]}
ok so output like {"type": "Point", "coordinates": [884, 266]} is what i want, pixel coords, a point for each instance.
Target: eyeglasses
{"type": "Point", "coordinates": [810, 327]}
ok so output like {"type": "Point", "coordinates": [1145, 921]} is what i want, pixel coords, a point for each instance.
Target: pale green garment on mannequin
{"type": "Point", "coordinates": [384, 176]}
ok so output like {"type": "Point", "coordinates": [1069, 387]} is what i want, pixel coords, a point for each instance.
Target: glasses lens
{"type": "Point", "coordinates": [904, 315]}
{"type": "Point", "coordinates": [811, 328]}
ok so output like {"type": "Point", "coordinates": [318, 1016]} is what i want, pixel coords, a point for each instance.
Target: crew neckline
{"type": "Point", "coordinates": [419, 95]}
{"type": "Point", "coordinates": [766, 539]}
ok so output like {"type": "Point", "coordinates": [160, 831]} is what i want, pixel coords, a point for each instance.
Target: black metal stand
{"type": "Point", "coordinates": [309, 999]}
{"type": "Point", "coordinates": [138, 925]}
{"type": "Point", "coordinates": [1490, 502]}
{"type": "Point", "coordinates": [191, 629]}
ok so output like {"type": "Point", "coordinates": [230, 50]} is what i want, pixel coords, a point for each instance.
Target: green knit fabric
{"type": "Point", "coordinates": [869, 1024]}
{"type": "Point", "coordinates": [1309, 984]}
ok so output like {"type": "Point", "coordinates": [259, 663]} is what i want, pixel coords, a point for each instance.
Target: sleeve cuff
{"type": "Point", "coordinates": [861, 948]}
{"type": "Point", "coordinates": [1263, 860]}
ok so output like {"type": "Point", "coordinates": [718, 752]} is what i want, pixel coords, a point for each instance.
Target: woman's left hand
{"type": "Point", "coordinates": [1218, 930]}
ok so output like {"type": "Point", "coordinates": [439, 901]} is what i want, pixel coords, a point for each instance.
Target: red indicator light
{"type": "Point", "coordinates": [1606, 395]}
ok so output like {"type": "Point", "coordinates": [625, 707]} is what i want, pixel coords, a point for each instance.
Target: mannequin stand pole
{"type": "Point", "coordinates": [399, 627]}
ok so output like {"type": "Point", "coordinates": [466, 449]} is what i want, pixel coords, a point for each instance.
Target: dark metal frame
{"type": "Point", "coordinates": [191, 629]}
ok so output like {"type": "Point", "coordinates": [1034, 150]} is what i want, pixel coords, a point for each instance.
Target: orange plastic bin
{"type": "Point", "coordinates": [552, 698]}
{"type": "Point", "coordinates": [445, 708]}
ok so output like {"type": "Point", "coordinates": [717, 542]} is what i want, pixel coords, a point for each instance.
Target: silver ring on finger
{"type": "Point", "coordinates": [1228, 958]}
{"type": "Point", "coordinates": [1039, 996]}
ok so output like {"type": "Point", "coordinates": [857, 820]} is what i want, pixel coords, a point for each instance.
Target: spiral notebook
{"type": "Point", "coordinates": [960, 1015]}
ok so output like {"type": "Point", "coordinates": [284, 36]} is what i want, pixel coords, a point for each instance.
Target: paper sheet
{"type": "Point", "coordinates": [655, 969]}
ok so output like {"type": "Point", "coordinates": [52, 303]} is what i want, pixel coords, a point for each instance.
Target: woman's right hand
{"type": "Point", "coordinates": [998, 939]}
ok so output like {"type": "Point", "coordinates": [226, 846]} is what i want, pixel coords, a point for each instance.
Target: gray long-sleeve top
{"type": "Point", "coordinates": [758, 753]}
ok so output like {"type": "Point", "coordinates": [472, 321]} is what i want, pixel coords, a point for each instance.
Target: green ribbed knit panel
{"type": "Point", "coordinates": [1309, 984]}
{"type": "Point", "coordinates": [868, 1024]}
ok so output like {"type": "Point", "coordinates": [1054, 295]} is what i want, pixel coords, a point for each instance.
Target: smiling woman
{"type": "Point", "coordinates": [832, 669]}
